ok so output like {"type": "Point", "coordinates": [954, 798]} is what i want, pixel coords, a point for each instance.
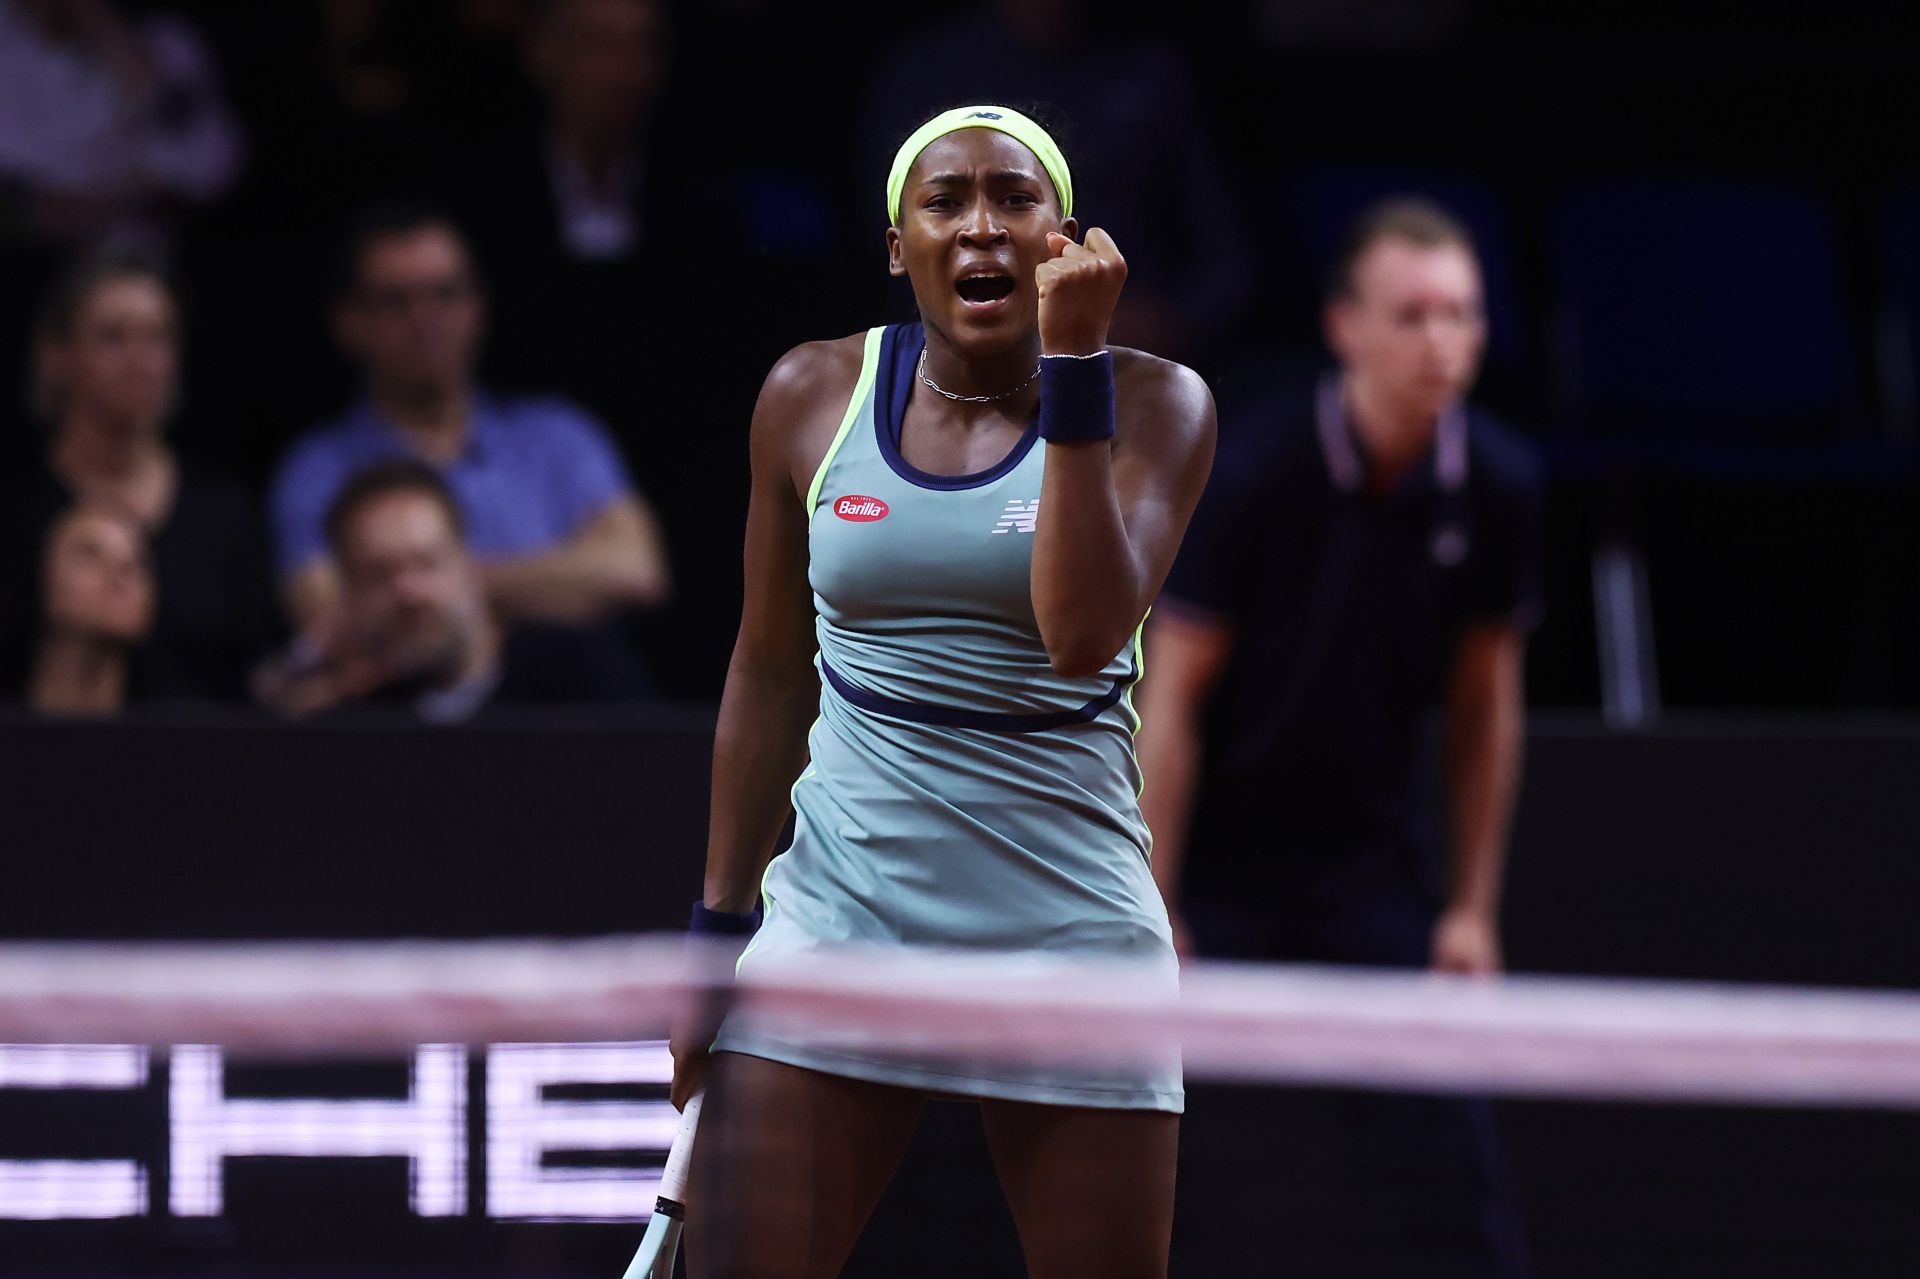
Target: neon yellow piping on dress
{"type": "Point", "coordinates": [1139, 673]}
{"type": "Point", "coordinates": [869, 370]}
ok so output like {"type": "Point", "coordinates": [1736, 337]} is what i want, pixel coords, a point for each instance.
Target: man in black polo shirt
{"type": "Point", "coordinates": [1361, 558]}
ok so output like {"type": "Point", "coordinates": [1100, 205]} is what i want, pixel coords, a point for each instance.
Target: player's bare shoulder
{"type": "Point", "coordinates": [1160, 396]}
{"type": "Point", "coordinates": [802, 401]}
{"type": "Point", "coordinates": [807, 375]}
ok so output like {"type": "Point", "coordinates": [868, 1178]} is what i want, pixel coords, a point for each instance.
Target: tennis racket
{"type": "Point", "coordinates": [661, 1244]}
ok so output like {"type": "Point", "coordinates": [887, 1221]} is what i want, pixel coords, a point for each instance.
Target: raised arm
{"type": "Point", "coordinates": [1112, 511]}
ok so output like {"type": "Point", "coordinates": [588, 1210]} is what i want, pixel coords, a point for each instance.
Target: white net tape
{"type": "Point", "coordinates": [1265, 1023]}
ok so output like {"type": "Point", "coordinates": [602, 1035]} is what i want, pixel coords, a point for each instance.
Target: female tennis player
{"type": "Point", "coordinates": [966, 519]}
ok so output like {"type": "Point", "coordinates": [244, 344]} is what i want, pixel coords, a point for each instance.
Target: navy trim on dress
{"type": "Point", "coordinates": [955, 717]}
{"type": "Point", "coordinates": [899, 354]}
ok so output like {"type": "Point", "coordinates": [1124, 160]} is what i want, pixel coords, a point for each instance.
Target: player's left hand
{"type": "Point", "coordinates": [1467, 942]}
{"type": "Point", "coordinates": [1079, 285]}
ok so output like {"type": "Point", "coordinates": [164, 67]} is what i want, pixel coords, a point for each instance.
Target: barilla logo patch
{"type": "Point", "coordinates": [860, 509]}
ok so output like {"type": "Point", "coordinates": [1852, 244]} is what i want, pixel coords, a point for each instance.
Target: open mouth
{"type": "Point", "coordinates": [984, 290]}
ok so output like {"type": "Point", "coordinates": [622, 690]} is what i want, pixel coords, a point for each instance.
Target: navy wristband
{"type": "Point", "coordinates": [1076, 398]}
{"type": "Point", "coordinates": [722, 923]}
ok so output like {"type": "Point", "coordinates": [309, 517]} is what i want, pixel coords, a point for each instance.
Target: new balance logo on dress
{"type": "Point", "coordinates": [1019, 517]}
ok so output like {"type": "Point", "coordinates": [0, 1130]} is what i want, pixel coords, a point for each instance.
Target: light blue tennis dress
{"type": "Point", "coordinates": [960, 792]}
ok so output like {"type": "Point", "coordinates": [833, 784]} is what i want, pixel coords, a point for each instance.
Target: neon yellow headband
{"type": "Point", "coordinates": [1012, 123]}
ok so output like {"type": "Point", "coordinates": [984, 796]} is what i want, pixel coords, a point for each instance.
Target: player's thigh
{"type": "Point", "coordinates": [1091, 1190]}
{"type": "Point", "coordinates": [787, 1168]}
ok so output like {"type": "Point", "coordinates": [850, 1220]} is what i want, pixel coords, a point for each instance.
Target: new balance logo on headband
{"type": "Point", "coordinates": [986, 115]}
{"type": "Point", "coordinates": [1019, 517]}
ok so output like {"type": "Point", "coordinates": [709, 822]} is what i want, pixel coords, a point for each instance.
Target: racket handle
{"type": "Point", "coordinates": [673, 1178]}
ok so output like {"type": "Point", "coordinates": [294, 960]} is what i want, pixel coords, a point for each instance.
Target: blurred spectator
{"type": "Point", "coordinates": [599, 66]}
{"type": "Point", "coordinates": [111, 128]}
{"type": "Point", "coordinates": [356, 99]}
{"type": "Point", "coordinates": [621, 231]}
{"type": "Point", "coordinates": [1124, 98]}
{"type": "Point", "coordinates": [571, 216]}
{"type": "Point", "coordinates": [400, 77]}
{"type": "Point", "coordinates": [97, 589]}
{"type": "Point", "coordinates": [107, 123]}
{"type": "Point", "coordinates": [106, 373]}
{"type": "Point", "coordinates": [552, 516]}
{"type": "Point", "coordinates": [415, 628]}
{"type": "Point", "coordinates": [1375, 556]}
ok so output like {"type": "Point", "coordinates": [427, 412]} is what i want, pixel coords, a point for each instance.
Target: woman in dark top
{"type": "Point", "coordinates": [97, 607]}
{"type": "Point", "coordinates": [106, 368]}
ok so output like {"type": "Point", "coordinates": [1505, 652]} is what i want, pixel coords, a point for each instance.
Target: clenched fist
{"type": "Point", "coordinates": [1078, 286]}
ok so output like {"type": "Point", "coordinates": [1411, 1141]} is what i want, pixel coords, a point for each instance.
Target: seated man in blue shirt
{"type": "Point", "coordinates": [1371, 556]}
{"type": "Point", "coordinates": [558, 528]}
